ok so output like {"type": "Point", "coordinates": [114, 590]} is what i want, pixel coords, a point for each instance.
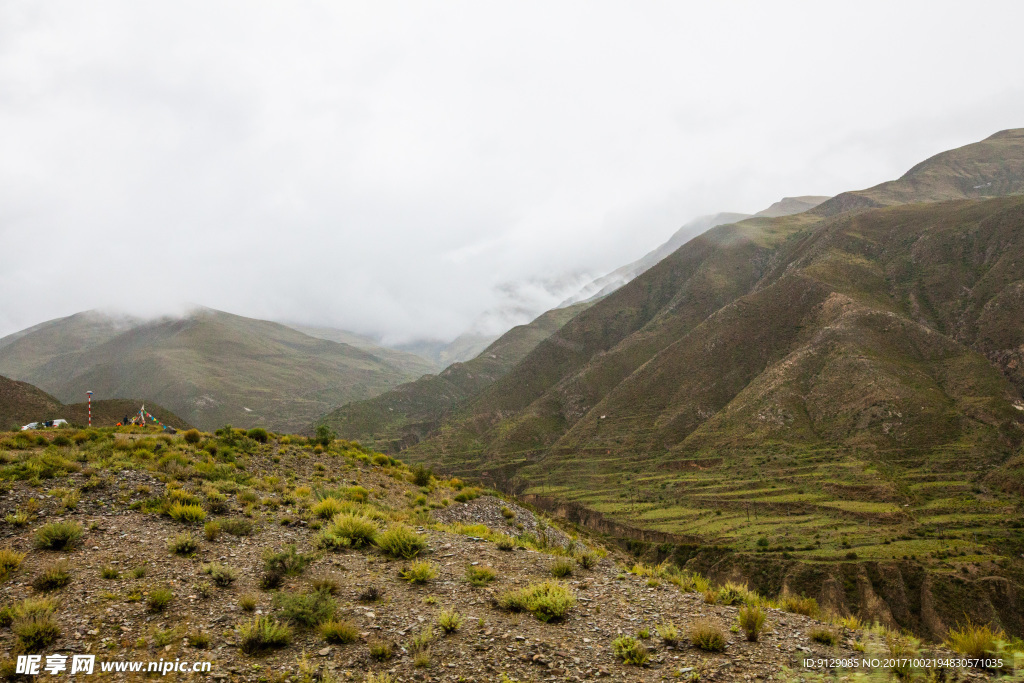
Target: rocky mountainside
{"type": "Point", "coordinates": [404, 415]}
{"type": "Point", "coordinates": [821, 387]}
{"type": "Point", "coordinates": [288, 561]}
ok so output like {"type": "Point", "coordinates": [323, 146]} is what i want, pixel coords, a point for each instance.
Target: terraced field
{"type": "Point", "coordinates": [810, 504]}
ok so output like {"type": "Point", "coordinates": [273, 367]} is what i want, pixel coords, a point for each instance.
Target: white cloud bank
{"type": "Point", "coordinates": [390, 168]}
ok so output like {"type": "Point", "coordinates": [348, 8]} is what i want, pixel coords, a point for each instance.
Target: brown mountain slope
{"type": "Point", "coordinates": [21, 403]}
{"type": "Point", "coordinates": [406, 414]}
{"type": "Point", "coordinates": [820, 385]}
{"type": "Point", "coordinates": [108, 412]}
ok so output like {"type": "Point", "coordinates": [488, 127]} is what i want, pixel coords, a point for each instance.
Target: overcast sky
{"type": "Point", "coordinates": [403, 169]}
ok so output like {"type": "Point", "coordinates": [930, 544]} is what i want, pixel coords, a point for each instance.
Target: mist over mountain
{"type": "Point", "coordinates": [866, 329]}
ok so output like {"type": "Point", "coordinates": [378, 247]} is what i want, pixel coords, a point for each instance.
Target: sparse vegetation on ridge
{"type": "Point", "coordinates": [312, 592]}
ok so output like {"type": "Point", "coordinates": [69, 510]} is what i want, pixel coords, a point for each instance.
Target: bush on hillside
{"type": "Point", "coordinates": [258, 434]}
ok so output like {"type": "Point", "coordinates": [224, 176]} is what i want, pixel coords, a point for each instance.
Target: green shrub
{"type": "Point", "coordinates": [55, 576]}
{"type": "Point", "coordinates": [328, 584]}
{"type": "Point", "coordinates": [824, 636]}
{"type": "Point", "coordinates": [547, 601]}
{"type": "Point", "coordinates": [450, 621]}
{"type": "Point", "coordinates": [467, 494]}
{"type": "Point", "coordinates": [505, 543]}
{"type": "Point", "coordinates": [977, 641]}
{"type": "Point", "coordinates": [199, 640]}
{"type": "Point", "coordinates": [192, 436]}
{"type": "Point", "coordinates": [10, 560]}
{"type": "Point", "coordinates": [562, 568]}
{"type": "Point", "coordinates": [139, 572]}
{"type": "Point", "coordinates": [183, 544]}
{"type": "Point", "coordinates": [421, 476]}
{"type": "Point", "coordinates": [248, 602]}
{"type": "Point", "coordinates": [588, 560]}
{"type": "Point", "coordinates": [109, 572]}
{"type": "Point", "coordinates": [221, 575]}
{"type": "Point", "coordinates": [258, 434]}
{"type": "Point", "coordinates": [357, 494]}
{"type": "Point", "coordinates": [187, 514]}
{"type": "Point", "coordinates": [668, 632]}
{"type": "Point", "coordinates": [422, 640]}
{"type": "Point", "coordinates": [371, 594]}
{"type": "Point", "coordinates": [751, 620]}
{"type": "Point", "coordinates": [507, 513]}
{"type": "Point", "coordinates": [327, 508]}
{"type": "Point", "coordinates": [348, 530]}
{"type": "Point", "coordinates": [732, 594]}
{"type": "Point", "coordinates": [630, 651]}
{"type": "Point", "coordinates": [288, 562]}
{"type": "Point", "coordinates": [380, 650]}
{"type": "Point", "coordinates": [158, 599]}
{"type": "Point", "coordinates": [36, 633]}
{"type": "Point", "coordinates": [400, 541]}
{"type": "Point", "coordinates": [419, 572]}
{"type": "Point", "coordinates": [706, 636]}
{"type": "Point", "coordinates": [271, 580]}
{"type": "Point", "coordinates": [339, 632]}
{"type": "Point", "coordinates": [305, 609]}
{"type": "Point", "coordinates": [26, 609]}
{"type": "Point", "coordinates": [261, 634]}
{"type": "Point", "coordinates": [59, 536]}
{"type": "Point", "coordinates": [248, 496]}
{"type": "Point", "coordinates": [17, 518]}
{"type": "Point", "coordinates": [216, 503]}
{"type": "Point", "coordinates": [324, 436]}
{"type": "Point", "coordinates": [211, 530]}
{"type": "Point", "coordinates": [800, 605]}
{"type": "Point", "coordinates": [479, 576]}
{"type": "Point", "coordinates": [236, 526]}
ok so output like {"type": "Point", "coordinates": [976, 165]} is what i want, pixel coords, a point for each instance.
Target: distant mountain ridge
{"type": "Point", "coordinates": [606, 284]}
{"type": "Point", "coordinates": [210, 367]}
{"type": "Point", "coordinates": [993, 167]}
{"type": "Point", "coordinates": [412, 363]}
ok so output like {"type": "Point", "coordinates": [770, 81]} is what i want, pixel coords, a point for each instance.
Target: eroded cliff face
{"type": "Point", "coordinates": [903, 594]}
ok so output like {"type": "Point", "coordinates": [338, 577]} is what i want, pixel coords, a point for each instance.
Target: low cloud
{"type": "Point", "coordinates": [413, 170]}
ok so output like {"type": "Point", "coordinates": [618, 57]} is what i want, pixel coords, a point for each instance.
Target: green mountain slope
{"type": "Point", "coordinates": [993, 167]}
{"type": "Point", "coordinates": [826, 372]}
{"type": "Point", "coordinates": [406, 414]}
{"type": "Point", "coordinates": [210, 367]}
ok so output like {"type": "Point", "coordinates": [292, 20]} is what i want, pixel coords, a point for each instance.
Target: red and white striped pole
{"type": "Point", "coordinates": [90, 407]}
